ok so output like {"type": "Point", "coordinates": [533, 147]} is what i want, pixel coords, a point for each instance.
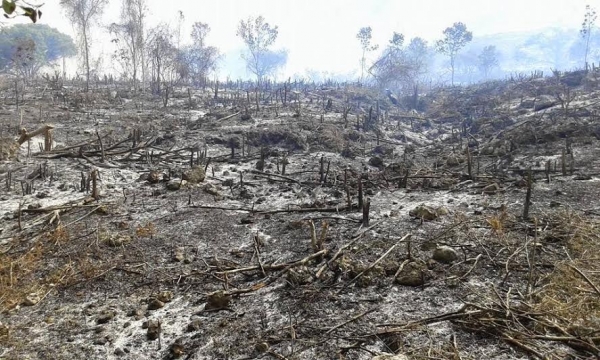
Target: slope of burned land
{"type": "Point", "coordinates": [310, 223]}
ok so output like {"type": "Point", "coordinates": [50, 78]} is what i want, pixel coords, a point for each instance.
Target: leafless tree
{"type": "Point", "coordinates": [589, 20]}
{"type": "Point", "coordinates": [166, 61]}
{"type": "Point", "coordinates": [84, 14]}
{"type": "Point", "coordinates": [129, 35]}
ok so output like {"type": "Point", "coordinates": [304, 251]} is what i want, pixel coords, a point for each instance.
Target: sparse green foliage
{"type": "Point", "coordinates": [397, 40]}
{"type": "Point", "coordinates": [200, 58]}
{"type": "Point", "coordinates": [13, 8]}
{"type": "Point", "coordinates": [488, 59]}
{"type": "Point", "coordinates": [455, 38]}
{"type": "Point", "coordinates": [258, 35]}
{"type": "Point", "coordinates": [589, 20]}
{"type": "Point", "coordinates": [365, 36]}
{"type": "Point", "coordinates": [26, 48]}
{"type": "Point", "coordinates": [391, 69]}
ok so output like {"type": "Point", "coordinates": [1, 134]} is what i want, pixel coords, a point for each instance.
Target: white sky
{"type": "Point", "coordinates": [321, 34]}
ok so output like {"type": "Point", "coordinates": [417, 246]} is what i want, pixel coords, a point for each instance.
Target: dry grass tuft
{"type": "Point", "coordinates": [571, 296]}
{"type": "Point", "coordinates": [34, 271]}
{"type": "Point", "coordinates": [146, 231]}
{"type": "Point", "coordinates": [497, 222]}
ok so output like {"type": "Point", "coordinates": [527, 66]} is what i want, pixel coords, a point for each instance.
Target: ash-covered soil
{"type": "Point", "coordinates": [216, 230]}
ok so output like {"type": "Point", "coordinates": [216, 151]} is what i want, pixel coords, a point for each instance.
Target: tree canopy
{"type": "Point", "coordinates": [26, 48]}
{"type": "Point", "coordinates": [258, 35]}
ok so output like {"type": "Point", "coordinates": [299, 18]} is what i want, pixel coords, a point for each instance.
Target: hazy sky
{"type": "Point", "coordinates": [321, 34]}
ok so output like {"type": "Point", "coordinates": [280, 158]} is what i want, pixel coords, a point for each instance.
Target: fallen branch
{"type": "Point", "coordinates": [275, 267]}
{"type": "Point", "coordinates": [407, 236]}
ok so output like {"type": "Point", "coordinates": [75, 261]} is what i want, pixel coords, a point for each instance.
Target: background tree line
{"type": "Point", "coordinates": [155, 57]}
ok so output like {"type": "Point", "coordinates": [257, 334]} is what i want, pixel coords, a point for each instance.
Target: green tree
{"type": "Point", "coordinates": [13, 8]}
{"type": "Point", "coordinates": [455, 38]}
{"type": "Point", "coordinates": [365, 36]}
{"type": "Point", "coordinates": [589, 20]}
{"type": "Point", "coordinates": [488, 60]}
{"type": "Point", "coordinates": [418, 55]}
{"type": "Point", "coordinates": [391, 69]}
{"type": "Point", "coordinates": [83, 14]}
{"type": "Point", "coordinates": [26, 48]}
{"type": "Point", "coordinates": [258, 35]}
{"type": "Point", "coordinates": [200, 58]}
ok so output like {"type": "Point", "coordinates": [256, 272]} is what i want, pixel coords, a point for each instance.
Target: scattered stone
{"type": "Point", "coordinates": [423, 212]}
{"type": "Point", "coordinates": [174, 185]}
{"type": "Point", "coordinates": [153, 331]}
{"type": "Point", "coordinates": [299, 276]}
{"type": "Point", "coordinates": [119, 352]}
{"type": "Point", "coordinates": [428, 213]}
{"type": "Point", "coordinates": [390, 357]}
{"type": "Point", "coordinates": [491, 189]}
{"type": "Point", "coordinates": [376, 161]}
{"type": "Point", "coordinates": [165, 296]}
{"type": "Point", "coordinates": [385, 150]}
{"type": "Point", "coordinates": [454, 160]}
{"type": "Point", "coordinates": [544, 102]}
{"type": "Point", "coordinates": [262, 347]}
{"type": "Point", "coordinates": [41, 195]}
{"type": "Point", "coordinates": [412, 274]}
{"type": "Point", "coordinates": [177, 349]}
{"type": "Point", "coordinates": [138, 314]}
{"type": "Point", "coordinates": [247, 220]}
{"type": "Point", "coordinates": [179, 254]}
{"type": "Point", "coordinates": [442, 211]}
{"type": "Point", "coordinates": [194, 175]}
{"type": "Point", "coordinates": [101, 340]}
{"type": "Point", "coordinates": [195, 325]}
{"type": "Point", "coordinates": [8, 148]}
{"type": "Point", "coordinates": [445, 254]}
{"type": "Point", "coordinates": [155, 304]}
{"type": "Point", "coordinates": [154, 177]}
{"type": "Point", "coordinates": [106, 316]}
{"type": "Point", "coordinates": [31, 299]}
{"type": "Point", "coordinates": [118, 240]}
{"type": "Point", "coordinates": [211, 190]}
{"type": "Point", "coordinates": [4, 330]}
{"type": "Point", "coordinates": [217, 300]}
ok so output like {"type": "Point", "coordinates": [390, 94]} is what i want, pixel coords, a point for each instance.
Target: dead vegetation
{"type": "Point", "coordinates": [329, 224]}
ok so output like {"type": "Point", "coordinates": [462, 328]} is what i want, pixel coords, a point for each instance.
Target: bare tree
{"type": "Point", "coordinates": [365, 36]}
{"type": "Point", "coordinates": [258, 35]}
{"type": "Point", "coordinates": [166, 61]}
{"type": "Point", "coordinates": [488, 59]}
{"type": "Point", "coordinates": [129, 35]}
{"type": "Point", "coordinates": [589, 20]}
{"type": "Point", "coordinates": [455, 38]}
{"type": "Point", "coordinates": [83, 15]}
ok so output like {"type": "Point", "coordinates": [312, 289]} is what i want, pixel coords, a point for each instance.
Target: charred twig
{"type": "Point", "coordinates": [407, 236]}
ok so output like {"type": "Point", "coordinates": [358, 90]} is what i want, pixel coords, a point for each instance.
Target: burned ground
{"type": "Point", "coordinates": [265, 250]}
